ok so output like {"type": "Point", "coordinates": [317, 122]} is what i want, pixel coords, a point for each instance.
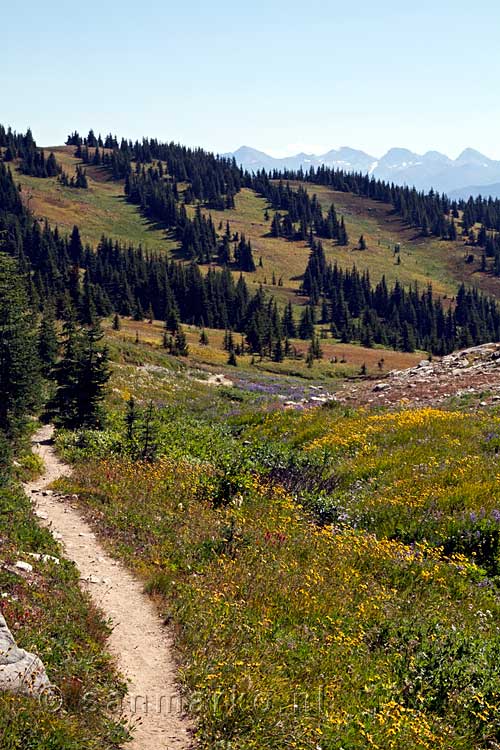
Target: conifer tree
{"type": "Point", "coordinates": [48, 345]}
{"type": "Point", "coordinates": [19, 364]}
{"type": "Point", "coordinates": [343, 238]}
{"type": "Point", "coordinates": [180, 346]}
{"type": "Point", "coordinates": [81, 376]}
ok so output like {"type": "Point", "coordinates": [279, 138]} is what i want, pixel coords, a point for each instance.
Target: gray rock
{"type": "Point", "coordinates": [26, 567]}
{"type": "Point", "coordinates": [380, 387]}
{"type": "Point", "coordinates": [20, 672]}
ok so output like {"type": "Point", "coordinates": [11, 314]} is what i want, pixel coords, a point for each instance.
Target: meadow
{"type": "Point", "coordinates": [423, 259]}
{"type": "Point", "coordinates": [339, 360]}
{"type": "Point", "coordinates": [100, 209]}
{"type": "Point", "coordinates": [331, 576]}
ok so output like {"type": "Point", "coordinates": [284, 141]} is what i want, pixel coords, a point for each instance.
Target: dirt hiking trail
{"type": "Point", "coordinates": [139, 641]}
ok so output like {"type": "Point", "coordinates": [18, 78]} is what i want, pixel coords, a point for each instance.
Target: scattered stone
{"type": "Point", "coordinates": [44, 558]}
{"type": "Point", "coordinates": [24, 566]}
{"type": "Point", "coordinates": [381, 387]}
{"type": "Point", "coordinates": [21, 673]}
{"type": "Point", "coordinates": [91, 579]}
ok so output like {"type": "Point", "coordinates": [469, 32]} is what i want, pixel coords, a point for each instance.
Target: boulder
{"type": "Point", "coordinates": [20, 672]}
{"type": "Point", "coordinates": [380, 387]}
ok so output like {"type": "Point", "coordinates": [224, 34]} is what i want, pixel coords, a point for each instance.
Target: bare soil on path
{"type": "Point", "coordinates": [139, 641]}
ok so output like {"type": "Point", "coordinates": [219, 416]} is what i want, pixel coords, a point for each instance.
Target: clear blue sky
{"type": "Point", "coordinates": [279, 76]}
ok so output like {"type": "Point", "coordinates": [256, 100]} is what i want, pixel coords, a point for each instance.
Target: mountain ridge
{"type": "Point", "coordinates": [471, 173]}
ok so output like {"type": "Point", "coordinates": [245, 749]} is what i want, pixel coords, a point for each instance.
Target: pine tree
{"type": "Point", "coordinates": [19, 364]}
{"type": "Point", "coordinates": [278, 355]}
{"type": "Point", "coordinates": [81, 376]}
{"type": "Point", "coordinates": [306, 327]}
{"type": "Point", "coordinates": [117, 324]}
{"type": "Point", "coordinates": [343, 238]}
{"type": "Point", "coordinates": [203, 337]}
{"type": "Point", "coordinates": [180, 343]}
{"type": "Point", "coordinates": [63, 405]}
{"type": "Point", "coordinates": [48, 345]}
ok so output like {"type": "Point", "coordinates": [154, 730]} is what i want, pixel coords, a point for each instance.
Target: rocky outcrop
{"type": "Point", "coordinates": [471, 373]}
{"type": "Point", "coordinates": [20, 672]}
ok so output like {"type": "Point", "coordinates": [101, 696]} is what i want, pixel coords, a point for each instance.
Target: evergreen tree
{"type": "Point", "coordinates": [181, 343]}
{"type": "Point", "coordinates": [81, 376]}
{"type": "Point", "coordinates": [48, 345]}
{"type": "Point", "coordinates": [306, 327]}
{"type": "Point", "coordinates": [19, 364]}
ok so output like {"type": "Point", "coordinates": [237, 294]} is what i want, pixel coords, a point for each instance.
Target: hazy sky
{"type": "Point", "coordinates": [280, 76]}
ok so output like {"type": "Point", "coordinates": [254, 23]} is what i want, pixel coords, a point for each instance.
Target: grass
{"type": "Point", "coordinates": [423, 259]}
{"type": "Point", "coordinates": [285, 259]}
{"type": "Point", "coordinates": [50, 616]}
{"type": "Point", "coordinates": [101, 209]}
{"type": "Point", "coordinates": [339, 360]}
{"type": "Point", "coordinates": [331, 576]}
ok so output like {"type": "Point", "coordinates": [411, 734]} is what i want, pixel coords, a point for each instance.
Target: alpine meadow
{"type": "Point", "coordinates": [249, 397]}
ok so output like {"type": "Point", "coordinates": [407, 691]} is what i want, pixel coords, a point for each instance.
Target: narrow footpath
{"type": "Point", "coordinates": [139, 641]}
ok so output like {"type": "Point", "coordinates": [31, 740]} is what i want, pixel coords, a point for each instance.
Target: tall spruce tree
{"type": "Point", "coordinates": [81, 376]}
{"type": "Point", "coordinates": [48, 344]}
{"type": "Point", "coordinates": [19, 363]}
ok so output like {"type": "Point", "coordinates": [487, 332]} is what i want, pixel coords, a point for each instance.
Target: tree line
{"type": "Point", "coordinates": [399, 317]}
{"type": "Point", "coordinates": [32, 159]}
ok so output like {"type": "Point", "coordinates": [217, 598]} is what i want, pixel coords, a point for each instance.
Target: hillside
{"type": "Point", "coordinates": [287, 513]}
{"type": "Point", "coordinates": [423, 259]}
{"type": "Point", "coordinates": [102, 209]}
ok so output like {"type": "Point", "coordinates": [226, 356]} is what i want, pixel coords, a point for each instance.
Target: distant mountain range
{"type": "Point", "coordinates": [471, 173]}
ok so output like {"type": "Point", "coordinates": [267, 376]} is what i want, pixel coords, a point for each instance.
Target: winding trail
{"type": "Point", "coordinates": [139, 641]}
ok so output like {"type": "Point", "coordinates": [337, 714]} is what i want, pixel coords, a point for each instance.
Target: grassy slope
{"type": "Point", "coordinates": [285, 259]}
{"type": "Point", "coordinates": [423, 259]}
{"type": "Point", "coordinates": [102, 209]}
{"type": "Point", "coordinates": [399, 640]}
{"type": "Point", "coordinates": [350, 357]}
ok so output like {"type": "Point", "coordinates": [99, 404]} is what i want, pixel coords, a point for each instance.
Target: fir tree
{"type": "Point", "coordinates": [19, 364]}
{"type": "Point", "coordinates": [81, 376]}
{"type": "Point", "coordinates": [48, 345]}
